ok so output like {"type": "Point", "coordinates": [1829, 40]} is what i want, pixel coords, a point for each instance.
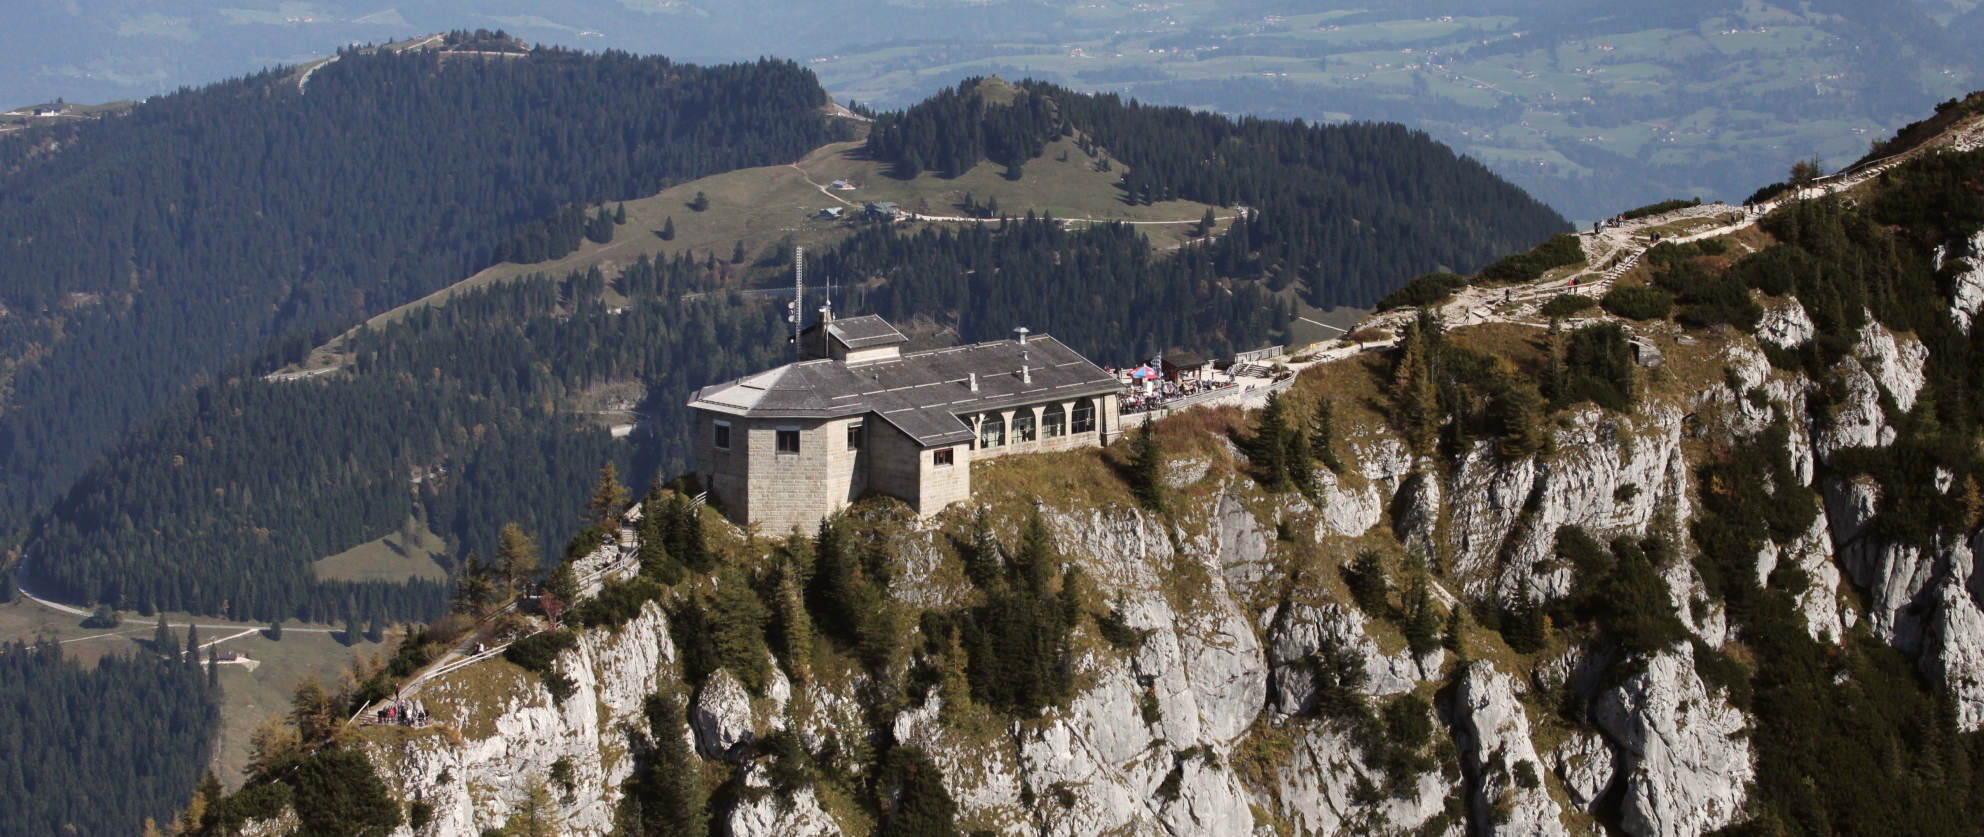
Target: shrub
{"type": "Point", "coordinates": [1657, 208]}
{"type": "Point", "coordinates": [1430, 289]}
{"type": "Point", "coordinates": [1567, 305]}
{"type": "Point", "coordinates": [1638, 302]}
{"type": "Point", "coordinates": [539, 651]}
{"type": "Point", "coordinates": [1562, 249]}
{"type": "Point", "coordinates": [1366, 579]}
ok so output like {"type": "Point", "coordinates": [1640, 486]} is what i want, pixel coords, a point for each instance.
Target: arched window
{"type": "Point", "coordinates": [992, 431]}
{"type": "Point", "coordinates": [1023, 425]}
{"type": "Point", "coordinates": [1085, 416]}
{"type": "Point", "coordinates": [1054, 421]}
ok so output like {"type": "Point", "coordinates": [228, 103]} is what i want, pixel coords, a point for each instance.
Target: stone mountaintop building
{"type": "Point", "coordinates": [790, 446]}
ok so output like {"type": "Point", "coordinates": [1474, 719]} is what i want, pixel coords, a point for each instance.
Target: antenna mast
{"type": "Point", "coordinates": [798, 295]}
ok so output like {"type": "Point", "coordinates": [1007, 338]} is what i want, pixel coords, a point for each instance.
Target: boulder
{"type": "Point", "coordinates": [721, 718]}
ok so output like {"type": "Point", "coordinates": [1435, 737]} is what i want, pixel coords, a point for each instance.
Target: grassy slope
{"type": "Point", "coordinates": [763, 207]}
{"type": "Point", "coordinates": [389, 558]}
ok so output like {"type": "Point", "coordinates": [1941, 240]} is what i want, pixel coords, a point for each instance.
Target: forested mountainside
{"type": "Point", "coordinates": [1339, 201]}
{"type": "Point", "coordinates": [99, 750]}
{"type": "Point", "coordinates": [1696, 557]}
{"type": "Point", "coordinates": [221, 499]}
{"type": "Point", "coordinates": [148, 250]}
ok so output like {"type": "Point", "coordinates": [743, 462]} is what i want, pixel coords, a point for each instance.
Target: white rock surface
{"type": "Point", "coordinates": [721, 717]}
{"type": "Point", "coordinates": [1785, 325]}
{"type": "Point", "coordinates": [766, 813]}
{"type": "Point", "coordinates": [1585, 764]}
{"type": "Point", "coordinates": [504, 750]}
{"type": "Point", "coordinates": [1967, 291]}
{"type": "Point", "coordinates": [1895, 362]}
{"type": "Point", "coordinates": [1685, 759]}
{"type": "Point", "coordinates": [1495, 743]}
{"type": "Point", "coordinates": [1318, 785]}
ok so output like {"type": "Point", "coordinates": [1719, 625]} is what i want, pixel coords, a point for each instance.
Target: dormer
{"type": "Point", "coordinates": [852, 340]}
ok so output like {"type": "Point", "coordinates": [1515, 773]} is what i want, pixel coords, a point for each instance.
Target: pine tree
{"type": "Point", "coordinates": [1422, 620]}
{"type": "Point", "coordinates": [668, 228]}
{"type": "Point", "coordinates": [213, 666]}
{"type": "Point", "coordinates": [795, 626]}
{"type": "Point", "coordinates": [1366, 579]}
{"type": "Point", "coordinates": [192, 658]}
{"type": "Point", "coordinates": [737, 254]}
{"type": "Point", "coordinates": [701, 202]}
{"type": "Point", "coordinates": [1415, 396]}
{"type": "Point", "coordinates": [517, 555]}
{"type": "Point", "coordinates": [921, 804]}
{"type": "Point", "coordinates": [738, 628]}
{"type": "Point", "coordinates": [275, 629]}
{"type": "Point", "coordinates": [620, 213]}
{"type": "Point", "coordinates": [375, 631]}
{"type": "Point", "coordinates": [163, 640]}
{"type": "Point", "coordinates": [351, 635]}
{"type": "Point", "coordinates": [1206, 224]}
{"type": "Point", "coordinates": [1322, 434]}
{"type": "Point", "coordinates": [1301, 474]}
{"type": "Point", "coordinates": [668, 785]}
{"type": "Point", "coordinates": [563, 583]}
{"type": "Point", "coordinates": [609, 497]}
{"type": "Point", "coordinates": [1147, 468]}
{"type": "Point", "coordinates": [1267, 448]}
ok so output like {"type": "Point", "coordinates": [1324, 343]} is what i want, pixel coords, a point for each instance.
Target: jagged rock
{"type": "Point", "coordinates": [1685, 761]}
{"type": "Point", "coordinates": [1819, 601]}
{"type": "Point", "coordinates": [1509, 795]}
{"type": "Point", "coordinates": [1857, 419]}
{"type": "Point", "coordinates": [1896, 576]}
{"type": "Point", "coordinates": [1684, 588]}
{"type": "Point", "coordinates": [1504, 516]}
{"type": "Point", "coordinates": [1243, 543]}
{"type": "Point", "coordinates": [721, 717]}
{"type": "Point", "coordinates": [1955, 646]}
{"type": "Point", "coordinates": [765, 813]}
{"type": "Point", "coordinates": [1785, 325]}
{"type": "Point", "coordinates": [1300, 630]}
{"type": "Point", "coordinates": [506, 748]}
{"type": "Point", "coordinates": [1349, 506]}
{"type": "Point", "coordinates": [1179, 473]}
{"type": "Point", "coordinates": [1967, 288]}
{"type": "Point", "coordinates": [1585, 764]}
{"type": "Point", "coordinates": [1320, 781]}
{"type": "Point", "coordinates": [982, 780]}
{"type": "Point", "coordinates": [1895, 362]}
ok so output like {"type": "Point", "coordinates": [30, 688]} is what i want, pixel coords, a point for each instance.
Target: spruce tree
{"type": "Point", "coordinates": [275, 629]}
{"type": "Point", "coordinates": [1322, 434]}
{"type": "Point", "coordinates": [921, 804]}
{"type": "Point", "coordinates": [192, 659]}
{"type": "Point", "coordinates": [213, 666]}
{"type": "Point", "coordinates": [668, 785]}
{"type": "Point", "coordinates": [1147, 468]}
{"type": "Point", "coordinates": [668, 228]}
{"type": "Point", "coordinates": [163, 640]}
{"type": "Point", "coordinates": [1422, 620]}
{"type": "Point", "coordinates": [609, 497]}
{"type": "Point", "coordinates": [1267, 448]}
{"type": "Point", "coordinates": [795, 626]}
{"type": "Point", "coordinates": [563, 583]}
{"type": "Point", "coordinates": [738, 628]}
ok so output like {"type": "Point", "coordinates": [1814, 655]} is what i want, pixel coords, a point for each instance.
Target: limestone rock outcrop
{"type": "Point", "coordinates": [1684, 757]}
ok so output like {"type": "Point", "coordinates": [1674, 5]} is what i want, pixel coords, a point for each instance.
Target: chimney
{"type": "Point", "coordinates": [1026, 374]}
{"type": "Point", "coordinates": [1020, 334]}
{"type": "Point", "coordinates": [974, 382]}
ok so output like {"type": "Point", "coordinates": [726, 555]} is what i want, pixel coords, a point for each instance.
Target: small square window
{"type": "Point", "coordinates": [942, 457]}
{"type": "Point", "coordinates": [723, 435]}
{"type": "Point", "coordinates": [788, 440]}
{"type": "Point", "coordinates": [854, 436]}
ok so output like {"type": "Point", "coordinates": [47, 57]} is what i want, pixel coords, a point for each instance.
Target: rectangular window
{"type": "Point", "coordinates": [1084, 418]}
{"type": "Point", "coordinates": [788, 440]}
{"type": "Point", "coordinates": [942, 457]}
{"type": "Point", "coordinates": [1023, 426]}
{"type": "Point", "coordinates": [854, 436]}
{"type": "Point", "coordinates": [723, 435]}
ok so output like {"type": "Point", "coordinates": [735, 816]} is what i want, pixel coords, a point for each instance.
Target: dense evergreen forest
{"type": "Point", "coordinates": [97, 751]}
{"type": "Point", "coordinates": [1346, 209]}
{"type": "Point", "coordinates": [144, 251]}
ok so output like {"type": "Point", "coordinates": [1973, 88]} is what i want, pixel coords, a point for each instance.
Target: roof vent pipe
{"type": "Point", "coordinates": [974, 382]}
{"type": "Point", "coordinates": [1020, 334]}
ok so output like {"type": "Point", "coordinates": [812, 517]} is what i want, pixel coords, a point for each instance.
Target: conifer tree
{"type": "Point", "coordinates": [1322, 434]}
{"type": "Point", "coordinates": [1422, 620]}
{"type": "Point", "coordinates": [738, 628]}
{"type": "Point", "coordinates": [1267, 448]}
{"type": "Point", "coordinates": [1147, 468]}
{"type": "Point", "coordinates": [213, 666]}
{"type": "Point", "coordinates": [163, 640]}
{"type": "Point", "coordinates": [668, 787]}
{"type": "Point", "coordinates": [1206, 224]}
{"type": "Point", "coordinates": [921, 804]}
{"type": "Point", "coordinates": [517, 555]}
{"type": "Point", "coordinates": [1415, 395]}
{"type": "Point", "coordinates": [1301, 474]}
{"type": "Point", "coordinates": [192, 659]}
{"type": "Point", "coordinates": [701, 202]}
{"type": "Point", "coordinates": [563, 583]}
{"type": "Point", "coordinates": [620, 213]}
{"type": "Point", "coordinates": [668, 228]}
{"type": "Point", "coordinates": [275, 629]}
{"type": "Point", "coordinates": [795, 626]}
{"type": "Point", "coordinates": [609, 497]}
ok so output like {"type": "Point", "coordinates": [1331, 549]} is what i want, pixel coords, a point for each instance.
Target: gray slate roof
{"type": "Point", "coordinates": [921, 393]}
{"type": "Point", "coordinates": [865, 331]}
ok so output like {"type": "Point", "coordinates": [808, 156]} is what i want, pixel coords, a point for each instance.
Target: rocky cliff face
{"type": "Point", "coordinates": [1216, 720]}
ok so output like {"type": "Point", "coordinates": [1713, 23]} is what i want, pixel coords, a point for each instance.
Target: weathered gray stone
{"type": "Point", "coordinates": [721, 717]}
{"type": "Point", "coordinates": [1685, 759]}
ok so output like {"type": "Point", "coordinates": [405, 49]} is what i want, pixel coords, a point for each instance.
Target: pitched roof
{"type": "Point", "coordinates": [921, 393]}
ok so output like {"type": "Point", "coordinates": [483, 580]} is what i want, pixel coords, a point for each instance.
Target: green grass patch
{"type": "Point", "coordinates": [408, 553]}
